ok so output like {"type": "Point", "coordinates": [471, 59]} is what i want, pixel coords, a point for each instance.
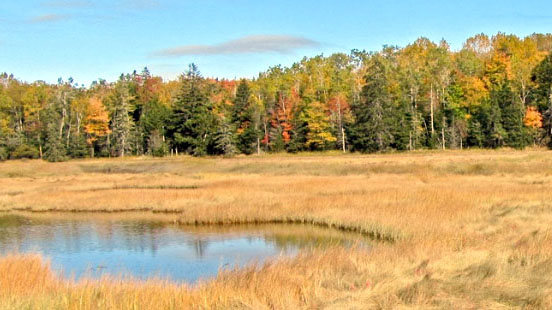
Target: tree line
{"type": "Point", "coordinates": [494, 92]}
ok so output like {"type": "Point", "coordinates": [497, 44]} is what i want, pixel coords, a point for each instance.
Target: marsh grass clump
{"type": "Point", "coordinates": [161, 187]}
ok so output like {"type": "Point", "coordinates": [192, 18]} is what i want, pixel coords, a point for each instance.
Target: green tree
{"type": "Point", "coordinates": [492, 115]}
{"type": "Point", "coordinates": [542, 77]}
{"type": "Point", "coordinates": [193, 121]}
{"type": "Point", "coordinates": [54, 148]}
{"type": "Point", "coordinates": [121, 122]}
{"type": "Point", "coordinates": [225, 138]}
{"type": "Point", "coordinates": [153, 123]}
{"type": "Point", "coordinates": [512, 116]}
{"type": "Point", "coordinates": [244, 121]}
{"type": "Point", "coordinates": [371, 130]}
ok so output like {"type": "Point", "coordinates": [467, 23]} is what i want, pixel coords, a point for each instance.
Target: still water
{"type": "Point", "coordinates": [147, 245]}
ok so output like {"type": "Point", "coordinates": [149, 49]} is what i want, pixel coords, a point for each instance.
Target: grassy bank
{"type": "Point", "coordinates": [469, 229]}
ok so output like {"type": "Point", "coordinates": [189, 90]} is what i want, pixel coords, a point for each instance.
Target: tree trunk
{"type": "Point", "coordinates": [431, 108]}
{"type": "Point", "coordinates": [341, 124]}
{"type": "Point", "coordinates": [343, 139]}
{"type": "Point", "coordinates": [68, 134]}
{"type": "Point", "coordinates": [443, 136]}
{"type": "Point", "coordinates": [63, 113]}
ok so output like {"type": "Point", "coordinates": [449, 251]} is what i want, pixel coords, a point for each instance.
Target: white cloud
{"type": "Point", "coordinates": [245, 45]}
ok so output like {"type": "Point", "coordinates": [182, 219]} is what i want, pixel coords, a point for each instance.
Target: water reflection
{"type": "Point", "coordinates": [146, 245]}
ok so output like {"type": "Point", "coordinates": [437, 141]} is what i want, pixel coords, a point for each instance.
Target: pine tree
{"type": "Point", "coordinates": [243, 120]}
{"type": "Point", "coordinates": [475, 133]}
{"type": "Point", "coordinates": [78, 147]}
{"type": "Point", "coordinates": [299, 129]}
{"type": "Point", "coordinates": [225, 139]}
{"type": "Point", "coordinates": [512, 117]}
{"type": "Point", "coordinates": [402, 127]}
{"type": "Point", "coordinates": [193, 122]}
{"type": "Point", "coordinates": [122, 123]}
{"type": "Point", "coordinates": [542, 76]}
{"type": "Point", "coordinates": [494, 131]}
{"type": "Point", "coordinates": [156, 144]}
{"type": "Point", "coordinates": [371, 130]}
{"type": "Point", "coordinates": [153, 123]}
{"type": "Point", "coordinates": [54, 149]}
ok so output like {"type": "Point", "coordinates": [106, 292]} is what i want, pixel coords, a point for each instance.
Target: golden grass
{"type": "Point", "coordinates": [469, 230]}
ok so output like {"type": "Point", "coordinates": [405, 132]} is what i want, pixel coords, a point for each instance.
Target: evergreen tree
{"type": "Point", "coordinates": [156, 144]}
{"type": "Point", "coordinates": [243, 120]}
{"type": "Point", "coordinates": [542, 76]}
{"type": "Point", "coordinates": [494, 131]}
{"type": "Point", "coordinates": [153, 123]}
{"type": "Point", "coordinates": [122, 123]}
{"type": "Point", "coordinates": [512, 117]}
{"type": "Point", "coordinates": [371, 130]}
{"type": "Point", "coordinates": [475, 133]}
{"type": "Point", "coordinates": [225, 139]}
{"type": "Point", "coordinates": [54, 149]}
{"type": "Point", "coordinates": [193, 122]}
{"type": "Point", "coordinates": [299, 130]}
{"type": "Point", "coordinates": [402, 127]}
{"type": "Point", "coordinates": [78, 147]}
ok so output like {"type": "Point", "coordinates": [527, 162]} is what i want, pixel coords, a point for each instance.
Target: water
{"type": "Point", "coordinates": [146, 245]}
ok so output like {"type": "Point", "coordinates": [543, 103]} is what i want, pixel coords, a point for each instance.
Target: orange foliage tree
{"type": "Point", "coordinates": [97, 122]}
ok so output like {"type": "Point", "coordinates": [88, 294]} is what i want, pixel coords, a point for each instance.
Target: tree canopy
{"type": "Point", "coordinates": [494, 92]}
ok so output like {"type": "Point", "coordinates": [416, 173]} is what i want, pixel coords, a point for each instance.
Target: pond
{"type": "Point", "coordinates": [149, 245]}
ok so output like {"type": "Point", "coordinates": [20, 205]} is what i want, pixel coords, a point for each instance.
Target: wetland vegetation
{"type": "Point", "coordinates": [461, 229]}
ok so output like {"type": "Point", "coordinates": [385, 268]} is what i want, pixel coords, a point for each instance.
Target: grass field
{"type": "Point", "coordinates": [458, 229]}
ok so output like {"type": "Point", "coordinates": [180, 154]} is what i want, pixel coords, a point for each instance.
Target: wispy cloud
{"type": "Point", "coordinates": [68, 4]}
{"type": "Point", "coordinates": [48, 18]}
{"type": "Point", "coordinates": [245, 45]}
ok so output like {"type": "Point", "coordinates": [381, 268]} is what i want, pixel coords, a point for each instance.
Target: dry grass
{"type": "Point", "coordinates": [469, 230]}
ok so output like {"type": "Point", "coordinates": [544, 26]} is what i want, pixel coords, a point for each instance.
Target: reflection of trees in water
{"type": "Point", "coordinates": [73, 235]}
{"type": "Point", "coordinates": [199, 246]}
{"type": "Point", "coordinates": [17, 232]}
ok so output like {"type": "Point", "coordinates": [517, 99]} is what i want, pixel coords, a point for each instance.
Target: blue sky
{"type": "Point", "coordinates": [91, 39]}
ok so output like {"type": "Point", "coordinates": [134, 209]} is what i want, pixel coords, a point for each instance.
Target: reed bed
{"type": "Point", "coordinates": [463, 229]}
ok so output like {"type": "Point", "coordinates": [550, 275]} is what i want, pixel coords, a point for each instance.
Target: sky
{"type": "Point", "coordinates": [92, 39]}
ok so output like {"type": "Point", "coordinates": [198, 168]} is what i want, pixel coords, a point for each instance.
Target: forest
{"type": "Point", "coordinates": [496, 91]}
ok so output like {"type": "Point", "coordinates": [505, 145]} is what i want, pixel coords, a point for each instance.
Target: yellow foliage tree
{"type": "Point", "coordinates": [318, 120]}
{"type": "Point", "coordinates": [97, 121]}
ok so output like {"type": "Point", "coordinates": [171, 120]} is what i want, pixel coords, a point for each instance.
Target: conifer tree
{"type": "Point", "coordinates": [243, 120]}
{"type": "Point", "coordinates": [371, 130]}
{"type": "Point", "coordinates": [225, 138]}
{"type": "Point", "coordinates": [494, 131]}
{"type": "Point", "coordinates": [122, 123]}
{"type": "Point", "coordinates": [193, 122]}
{"type": "Point", "coordinates": [512, 117]}
{"type": "Point", "coordinates": [54, 149]}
